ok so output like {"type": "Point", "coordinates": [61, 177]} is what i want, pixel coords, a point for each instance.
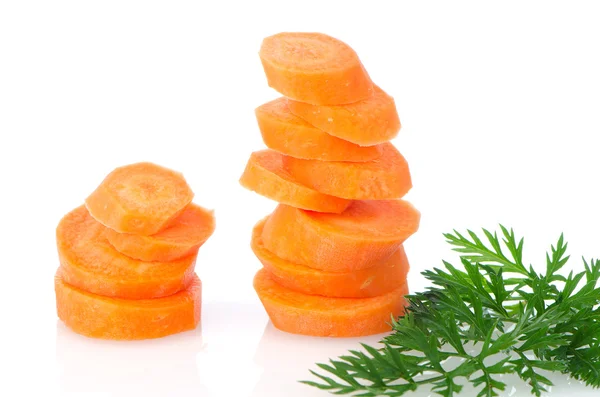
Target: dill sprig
{"type": "Point", "coordinates": [493, 315]}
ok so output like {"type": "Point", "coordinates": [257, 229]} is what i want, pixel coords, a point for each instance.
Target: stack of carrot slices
{"type": "Point", "coordinates": [127, 256]}
{"type": "Point", "coordinates": [332, 251]}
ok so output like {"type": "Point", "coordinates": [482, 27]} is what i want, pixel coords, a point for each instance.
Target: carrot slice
{"type": "Point", "coordinates": [314, 68]}
{"type": "Point", "coordinates": [292, 136]}
{"type": "Point", "coordinates": [122, 319]}
{"type": "Point", "coordinates": [365, 283]}
{"type": "Point", "coordinates": [360, 237]}
{"type": "Point", "coordinates": [91, 263]}
{"type": "Point", "coordinates": [140, 198]}
{"type": "Point", "coordinates": [297, 313]}
{"type": "Point", "coordinates": [186, 234]}
{"type": "Point", "coordinates": [368, 122]}
{"type": "Point", "coordinates": [265, 175]}
{"type": "Point", "coordinates": [387, 177]}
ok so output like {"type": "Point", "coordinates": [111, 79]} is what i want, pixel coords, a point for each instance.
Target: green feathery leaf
{"type": "Point", "coordinates": [491, 316]}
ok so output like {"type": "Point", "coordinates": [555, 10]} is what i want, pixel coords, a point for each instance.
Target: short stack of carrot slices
{"type": "Point", "coordinates": [332, 251]}
{"type": "Point", "coordinates": [127, 256]}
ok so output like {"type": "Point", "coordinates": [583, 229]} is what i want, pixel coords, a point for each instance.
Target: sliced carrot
{"type": "Point", "coordinates": [360, 237]}
{"type": "Point", "coordinates": [368, 122]}
{"type": "Point", "coordinates": [91, 263]}
{"type": "Point", "coordinates": [292, 136]}
{"type": "Point", "coordinates": [314, 68]}
{"type": "Point", "coordinates": [183, 237]}
{"type": "Point", "coordinates": [298, 313]}
{"type": "Point", "coordinates": [386, 177]}
{"type": "Point", "coordinates": [365, 283]}
{"type": "Point", "coordinates": [265, 175]}
{"type": "Point", "coordinates": [140, 198]}
{"type": "Point", "coordinates": [123, 319]}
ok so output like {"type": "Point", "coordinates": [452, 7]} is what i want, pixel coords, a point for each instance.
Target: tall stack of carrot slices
{"type": "Point", "coordinates": [332, 251]}
{"type": "Point", "coordinates": [127, 256]}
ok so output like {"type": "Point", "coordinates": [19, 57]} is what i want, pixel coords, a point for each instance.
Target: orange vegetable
{"type": "Point", "coordinates": [140, 198]}
{"type": "Point", "coordinates": [113, 318]}
{"type": "Point", "coordinates": [297, 313]}
{"type": "Point", "coordinates": [368, 122]}
{"type": "Point", "coordinates": [386, 177]}
{"type": "Point", "coordinates": [292, 136]}
{"type": "Point", "coordinates": [91, 263]}
{"type": "Point", "coordinates": [266, 175]}
{"type": "Point", "coordinates": [365, 234]}
{"type": "Point", "coordinates": [365, 283]}
{"type": "Point", "coordinates": [186, 234]}
{"type": "Point", "coordinates": [314, 68]}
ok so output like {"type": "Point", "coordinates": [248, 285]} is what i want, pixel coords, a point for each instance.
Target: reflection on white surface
{"type": "Point", "coordinates": [237, 353]}
{"type": "Point", "coordinates": [160, 367]}
{"type": "Point", "coordinates": [231, 333]}
{"type": "Point", "coordinates": [286, 358]}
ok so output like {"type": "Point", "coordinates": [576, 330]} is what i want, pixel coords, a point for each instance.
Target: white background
{"type": "Point", "coordinates": [500, 111]}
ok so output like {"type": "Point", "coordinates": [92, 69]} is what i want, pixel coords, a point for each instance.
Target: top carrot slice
{"type": "Point", "coordinates": [314, 68]}
{"type": "Point", "coordinates": [292, 136]}
{"type": "Point", "coordinates": [365, 123]}
{"type": "Point", "coordinates": [140, 198]}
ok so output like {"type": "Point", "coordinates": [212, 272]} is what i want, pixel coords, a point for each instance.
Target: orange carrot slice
{"type": "Point", "coordinates": [185, 236]}
{"type": "Point", "coordinates": [368, 122]}
{"type": "Point", "coordinates": [297, 313]}
{"type": "Point", "coordinates": [362, 236]}
{"type": "Point", "coordinates": [91, 263]}
{"type": "Point", "coordinates": [387, 177]}
{"type": "Point", "coordinates": [290, 135]}
{"type": "Point", "coordinates": [122, 319]}
{"type": "Point", "coordinates": [140, 198]}
{"type": "Point", "coordinates": [265, 175]}
{"type": "Point", "coordinates": [365, 283]}
{"type": "Point", "coordinates": [314, 68]}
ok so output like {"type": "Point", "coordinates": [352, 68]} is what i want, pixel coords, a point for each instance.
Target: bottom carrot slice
{"type": "Point", "coordinates": [123, 319]}
{"type": "Point", "coordinates": [266, 175]}
{"type": "Point", "coordinates": [364, 283]}
{"type": "Point", "coordinates": [297, 313]}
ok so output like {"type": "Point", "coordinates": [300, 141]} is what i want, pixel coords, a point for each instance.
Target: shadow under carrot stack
{"type": "Point", "coordinates": [332, 253]}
